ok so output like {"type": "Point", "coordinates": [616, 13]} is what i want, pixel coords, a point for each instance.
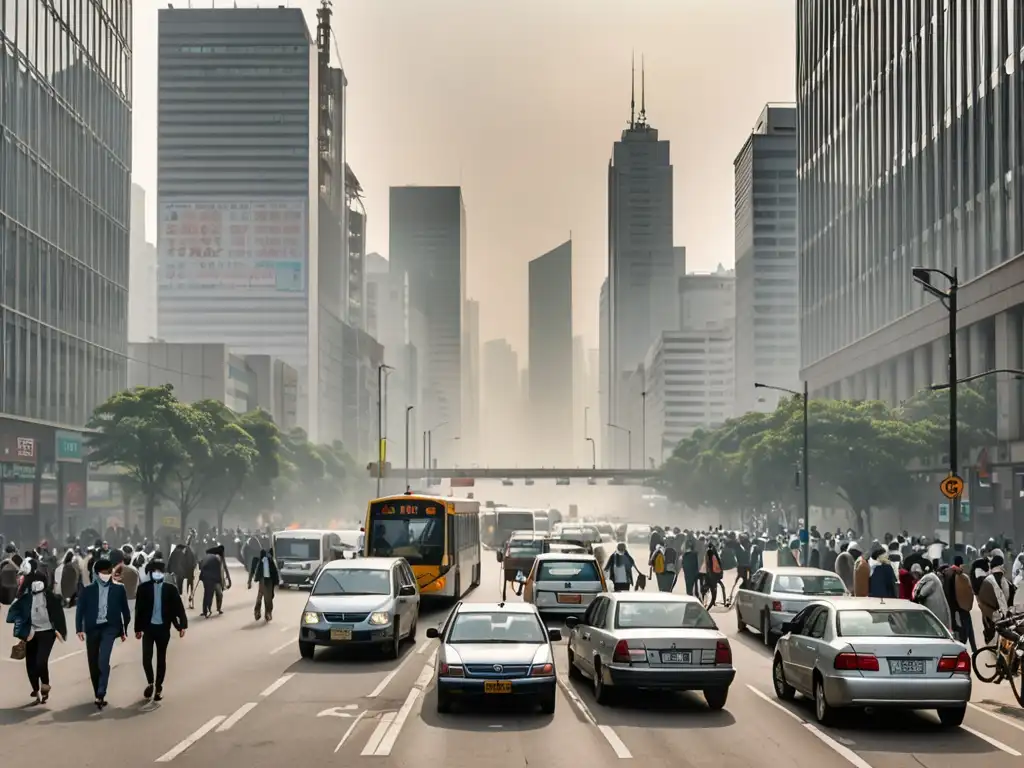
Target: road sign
{"type": "Point", "coordinates": [952, 486]}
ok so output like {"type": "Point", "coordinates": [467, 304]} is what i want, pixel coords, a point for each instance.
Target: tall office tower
{"type": "Point", "coordinates": [592, 407]}
{"type": "Point", "coordinates": [142, 276]}
{"type": "Point", "coordinates": [603, 385]}
{"type": "Point", "coordinates": [354, 271]}
{"type": "Point", "coordinates": [469, 443]}
{"type": "Point", "coordinates": [501, 417]}
{"type": "Point", "coordinates": [551, 359]}
{"type": "Point", "coordinates": [642, 296]}
{"type": "Point", "coordinates": [580, 448]}
{"type": "Point", "coordinates": [252, 194]}
{"type": "Point", "coordinates": [767, 270]}
{"type": "Point", "coordinates": [922, 118]}
{"type": "Point", "coordinates": [428, 241]}
{"type": "Point", "coordinates": [65, 197]}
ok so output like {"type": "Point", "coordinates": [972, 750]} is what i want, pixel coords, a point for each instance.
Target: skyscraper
{"type": "Point", "coordinates": [501, 416]}
{"type": "Point", "coordinates": [767, 270]}
{"type": "Point", "coordinates": [642, 296]}
{"type": "Point", "coordinates": [470, 437]}
{"type": "Point", "coordinates": [428, 241]}
{"type": "Point", "coordinates": [142, 325]}
{"type": "Point", "coordinates": [551, 357]}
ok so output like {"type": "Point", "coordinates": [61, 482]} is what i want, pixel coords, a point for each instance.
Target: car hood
{"type": "Point", "coordinates": [348, 603]}
{"type": "Point", "coordinates": [496, 653]}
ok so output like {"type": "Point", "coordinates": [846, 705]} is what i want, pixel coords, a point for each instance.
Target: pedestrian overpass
{"type": "Point", "coordinates": [623, 476]}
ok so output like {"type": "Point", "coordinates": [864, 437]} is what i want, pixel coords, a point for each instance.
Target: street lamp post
{"type": "Point", "coordinates": [408, 410]}
{"type": "Point", "coordinates": [923, 275]}
{"type": "Point", "coordinates": [805, 479]}
{"type": "Point", "coordinates": [589, 439]}
{"type": "Point", "coordinates": [643, 430]}
{"type": "Point", "coordinates": [382, 370]}
{"type": "Point", "coordinates": [430, 450]}
{"type": "Point", "coordinates": [629, 443]}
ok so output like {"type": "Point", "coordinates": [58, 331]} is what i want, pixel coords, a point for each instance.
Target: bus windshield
{"type": "Point", "coordinates": [410, 528]}
{"type": "Point", "coordinates": [515, 521]}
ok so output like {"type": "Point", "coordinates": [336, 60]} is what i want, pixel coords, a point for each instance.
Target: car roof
{"type": "Point", "coordinates": [565, 557]}
{"type": "Point", "coordinates": [652, 597]}
{"type": "Point", "coordinates": [363, 564]}
{"type": "Point", "coordinates": [845, 602]}
{"type": "Point", "coordinates": [497, 608]}
{"type": "Point", "coordinates": [791, 570]}
{"type": "Point", "coordinates": [528, 535]}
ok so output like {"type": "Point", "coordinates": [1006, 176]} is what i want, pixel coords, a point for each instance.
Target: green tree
{"type": "Point", "coordinates": [151, 435]}
{"type": "Point", "coordinates": [976, 418]}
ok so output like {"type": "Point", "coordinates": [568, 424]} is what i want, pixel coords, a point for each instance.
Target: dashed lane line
{"type": "Point", "coordinates": [390, 734]}
{"type": "Point", "coordinates": [276, 684]}
{"type": "Point", "coordinates": [994, 742]}
{"type": "Point", "coordinates": [423, 648]}
{"type": "Point", "coordinates": [996, 716]}
{"type": "Point", "coordinates": [188, 741]}
{"type": "Point", "coordinates": [349, 731]}
{"type": "Point", "coordinates": [388, 678]}
{"type": "Point", "coordinates": [378, 734]}
{"type": "Point", "coordinates": [285, 644]}
{"type": "Point", "coordinates": [618, 746]}
{"type": "Point", "coordinates": [239, 713]}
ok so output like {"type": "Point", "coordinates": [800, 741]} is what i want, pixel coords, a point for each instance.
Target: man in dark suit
{"type": "Point", "coordinates": [263, 570]}
{"type": "Point", "coordinates": [158, 609]}
{"type": "Point", "coordinates": [102, 616]}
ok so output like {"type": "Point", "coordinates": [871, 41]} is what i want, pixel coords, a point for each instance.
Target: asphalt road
{"type": "Point", "coordinates": [238, 691]}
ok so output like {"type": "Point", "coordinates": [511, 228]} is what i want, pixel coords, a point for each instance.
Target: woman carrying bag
{"type": "Point", "coordinates": [38, 618]}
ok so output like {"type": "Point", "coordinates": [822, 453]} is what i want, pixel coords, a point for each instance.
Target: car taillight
{"type": "Point", "coordinates": [723, 653]}
{"type": "Point", "coordinates": [542, 670]}
{"type": "Point", "coordinates": [626, 655]}
{"type": "Point", "coordinates": [452, 670]}
{"type": "Point", "coordinates": [860, 662]}
{"type": "Point", "coordinates": [961, 663]}
{"type": "Point", "coordinates": [776, 606]}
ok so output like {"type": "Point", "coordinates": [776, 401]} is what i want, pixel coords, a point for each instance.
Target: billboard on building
{"type": "Point", "coordinates": [255, 246]}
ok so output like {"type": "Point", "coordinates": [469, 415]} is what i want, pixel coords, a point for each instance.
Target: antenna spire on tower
{"type": "Point", "coordinates": [632, 91]}
{"type": "Point", "coordinates": [643, 92]}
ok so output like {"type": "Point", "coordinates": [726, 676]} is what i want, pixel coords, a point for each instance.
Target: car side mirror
{"type": "Point", "coordinates": [432, 633]}
{"type": "Point", "coordinates": [500, 555]}
{"type": "Point", "coordinates": [571, 621]}
{"type": "Point", "coordinates": [407, 590]}
{"type": "Point", "coordinates": [554, 635]}
{"type": "Point", "coordinates": [788, 627]}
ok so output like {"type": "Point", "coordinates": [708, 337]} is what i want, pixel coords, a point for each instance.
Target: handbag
{"type": "Point", "coordinates": [641, 583]}
{"type": "Point", "coordinates": [18, 651]}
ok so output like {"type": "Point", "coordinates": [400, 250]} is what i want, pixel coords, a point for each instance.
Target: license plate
{"type": "Point", "coordinates": [498, 686]}
{"type": "Point", "coordinates": [906, 667]}
{"type": "Point", "coordinates": [571, 599]}
{"type": "Point", "coordinates": [675, 657]}
{"type": "Point", "coordinates": [341, 634]}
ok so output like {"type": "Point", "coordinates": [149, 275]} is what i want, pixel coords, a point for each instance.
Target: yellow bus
{"type": "Point", "coordinates": [439, 537]}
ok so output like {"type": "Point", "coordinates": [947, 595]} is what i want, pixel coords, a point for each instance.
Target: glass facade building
{"type": "Point", "coordinates": [65, 199]}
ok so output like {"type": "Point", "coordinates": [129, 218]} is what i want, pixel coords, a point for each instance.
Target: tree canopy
{"type": "Point", "coordinates": [860, 453]}
{"type": "Point", "coordinates": [204, 456]}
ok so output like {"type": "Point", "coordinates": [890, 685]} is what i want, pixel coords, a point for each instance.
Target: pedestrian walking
{"type": "Point", "coordinates": [619, 568]}
{"type": "Point", "coordinates": [101, 617]}
{"type": "Point", "coordinates": [213, 573]}
{"type": "Point", "coordinates": [263, 571]}
{"type": "Point", "coordinates": [38, 618]}
{"type": "Point", "coordinates": [158, 610]}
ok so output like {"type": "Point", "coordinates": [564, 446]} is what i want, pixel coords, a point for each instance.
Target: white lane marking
{"type": "Point", "coordinates": [576, 700]}
{"type": "Point", "coordinates": [285, 644]}
{"type": "Point", "coordinates": [241, 712]}
{"type": "Point", "coordinates": [276, 684]}
{"type": "Point", "coordinates": [67, 656]}
{"type": "Point", "coordinates": [423, 648]}
{"type": "Point", "coordinates": [388, 678]}
{"type": "Point", "coordinates": [348, 733]}
{"type": "Point", "coordinates": [621, 751]}
{"type": "Point", "coordinates": [843, 751]}
{"type": "Point", "coordinates": [287, 629]}
{"type": "Point", "coordinates": [387, 743]}
{"type": "Point", "coordinates": [188, 741]}
{"type": "Point", "coordinates": [378, 734]}
{"type": "Point", "coordinates": [994, 742]}
{"type": "Point", "coordinates": [995, 716]}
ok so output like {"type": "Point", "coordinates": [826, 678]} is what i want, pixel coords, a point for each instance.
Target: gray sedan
{"type": "Point", "coordinates": [867, 652]}
{"type": "Point", "coordinates": [775, 595]}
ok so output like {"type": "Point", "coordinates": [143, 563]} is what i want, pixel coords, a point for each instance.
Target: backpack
{"type": "Point", "coordinates": [716, 564]}
{"type": "Point", "coordinates": [659, 562]}
{"type": "Point", "coordinates": [671, 557]}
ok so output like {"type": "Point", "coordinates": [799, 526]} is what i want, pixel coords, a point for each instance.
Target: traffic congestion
{"type": "Point", "coordinates": [448, 628]}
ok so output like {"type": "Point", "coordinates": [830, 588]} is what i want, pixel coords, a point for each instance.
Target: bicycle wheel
{"type": "Point", "coordinates": [987, 667]}
{"type": "Point", "coordinates": [1016, 683]}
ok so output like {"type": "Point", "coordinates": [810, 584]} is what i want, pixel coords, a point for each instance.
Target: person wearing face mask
{"type": "Point", "coordinates": [158, 610]}
{"type": "Point", "coordinates": [102, 616]}
{"type": "Point", "coordinates": [38, 618]}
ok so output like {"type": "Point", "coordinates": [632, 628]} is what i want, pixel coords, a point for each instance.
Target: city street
{"type": "Point", "coordinates": [237, 690]}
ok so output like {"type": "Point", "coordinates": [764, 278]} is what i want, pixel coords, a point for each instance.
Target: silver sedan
{"type": "Point", "coordinates": [867, 652]}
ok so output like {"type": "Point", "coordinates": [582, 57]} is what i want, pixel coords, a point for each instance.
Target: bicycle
{"type": "Point", "coordinates": [1008, 653]}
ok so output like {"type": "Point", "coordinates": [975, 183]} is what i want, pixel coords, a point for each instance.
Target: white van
{"type": "Point", "coordinates": [300, 553]}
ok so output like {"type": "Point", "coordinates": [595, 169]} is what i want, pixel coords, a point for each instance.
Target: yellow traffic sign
{"type": "Point", "coordinates": [952, 486]}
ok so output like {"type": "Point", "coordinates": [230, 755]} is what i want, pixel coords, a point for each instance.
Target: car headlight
{"type": "Point", "coordinates": [380, 618]}
{"type": "Point", "coordinates": [310, 617]}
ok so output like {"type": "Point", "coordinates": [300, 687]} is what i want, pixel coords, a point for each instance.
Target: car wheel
{"type": "Point", "coordinates": [783, 690]}
{"type": "Point", "coordinates": [740, 626]}
{"type": "Point", "coordinates": [822, 711]}
{"type": "Point", "coordinates": [412, 630]}
{"type": "Point", "coordinates": [574, 672]}
{"type": "Point", "coordinates": [716, 698]}
{"type": "Point", "coordinates": [306, 650]}
{"type": "Point", "coordinates": [952, 717]}
{"type": "Point", "coordinates": [444, 702]}
{"type": "Point", "coordinates": [547, 703]}
{"type": "Point", "coordinates": [394, 648]}
{"type": "Point", "coordinates": [766, 630]}
{"type": "Point", "coordinates": [602, 694]}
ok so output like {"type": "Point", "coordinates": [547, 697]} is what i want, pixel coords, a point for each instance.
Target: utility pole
{"type": "Point", "coordinates": [643, 430]}
{"type": "Point", "coordinates": [381, 450]}
{"type": "Point", "coordinates": [408, 410]}
{"type": "Point", "coordinates": [589, 439]}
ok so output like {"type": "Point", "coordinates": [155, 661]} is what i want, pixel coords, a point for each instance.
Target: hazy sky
{"type": "Point", "coordinates": [519, 101]}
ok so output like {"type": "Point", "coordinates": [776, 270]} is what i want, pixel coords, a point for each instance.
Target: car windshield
{"type": "Point", "coordinates": [496, 628]}
{"type": "Point", "coordinates": [809, 585]}
{"type": "Point", "coordinates": [525, 546]}
{"type": "Point", "coordinates": [568, 570]}
{"type": "Point", "coordinates": [353, 581]}
{"type": "Point", "coordinates": [662, 615]}
{"type": "Point", "coordinates": [293, 548]}
{"type": "Point", "coordinates": [515, 521]}
{"type": "Point", "coordinates": [888, 623]}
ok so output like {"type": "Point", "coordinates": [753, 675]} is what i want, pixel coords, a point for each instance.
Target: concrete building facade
{"type": "Point", "coordinates": [767, 268]}
{"type": "Point", "coordinates": [551, 358]}
{"type": "Point", "coordinates": [142, 278]}
{"type": "Point", "coordinates": [502, 429]}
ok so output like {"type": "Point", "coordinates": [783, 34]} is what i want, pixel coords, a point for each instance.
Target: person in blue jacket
{"type": "Point", "coordinates": [101, 617]}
